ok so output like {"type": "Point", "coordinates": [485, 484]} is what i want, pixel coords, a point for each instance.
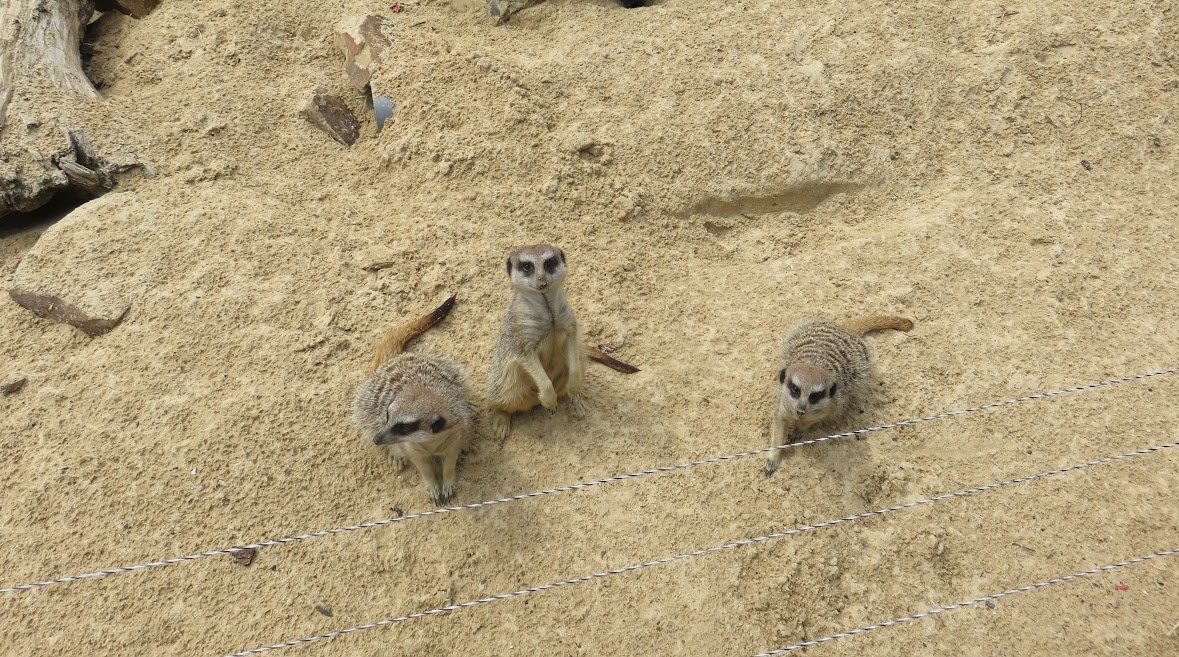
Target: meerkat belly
{"type": "Point", "coordinates": [552, 356]}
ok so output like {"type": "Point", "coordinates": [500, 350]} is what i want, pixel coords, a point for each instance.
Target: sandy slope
{"type": "Point", "coordinates": [716, 170]}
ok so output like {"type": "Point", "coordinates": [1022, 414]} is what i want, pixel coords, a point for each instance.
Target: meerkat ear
{"type": "Point", "coordinates": [782, 376]}
{"type": "Point", "coordinates": [509, 266]}
{"type": "Point", "coordinates": [562, 254]}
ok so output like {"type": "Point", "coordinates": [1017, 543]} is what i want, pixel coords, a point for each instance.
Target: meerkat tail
{"type": "Point", "coordinates": [395, 340]}
{"type": "Point", "coordinates": [596, 354]}
{"type": "Point", "coordinates": [868, 323]}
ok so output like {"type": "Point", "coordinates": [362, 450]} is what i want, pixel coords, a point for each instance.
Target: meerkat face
{"type": "Point", "coordinates": [414, 417]}
{"type": "Point", "coordinates": [538, 268]}
{"type": "Point", "coordinates": [809, 391]}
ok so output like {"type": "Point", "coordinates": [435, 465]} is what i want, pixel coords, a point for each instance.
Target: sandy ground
{"type": "Point", "coordinates": [715, 170]}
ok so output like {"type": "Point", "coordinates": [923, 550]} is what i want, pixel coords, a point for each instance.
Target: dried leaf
{"type": "Point", "coordinates": [244, 557]}
{"type": "Point", "coordinates": [13, 387]}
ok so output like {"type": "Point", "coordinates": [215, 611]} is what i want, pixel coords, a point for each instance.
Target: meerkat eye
{"type": "Point", "coordinates": [438, 425]}
{"type": "Point", "coordinates": [550, 265]}
{"type": "Point", "coordinates": [815, 397]}
{"type": "Point", "coordinates": [794, 391]}
{"type": "Point", "coordinates": [405, 428]}
{"type": "Point", "coordinates": [832, 390]}
{"type": "Point", "coordinates": [526, 267]}
{"type": "Point", "coordinates": [782, 376]}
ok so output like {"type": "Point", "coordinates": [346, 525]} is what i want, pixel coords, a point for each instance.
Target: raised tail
{"type": "Point", "coordinates": [869, 323]}
{"type": "Point", "coordinates": [395, 340]}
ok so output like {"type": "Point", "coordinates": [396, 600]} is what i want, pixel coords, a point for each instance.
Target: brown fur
{"type": "Point", "coordinates": [823, 367]}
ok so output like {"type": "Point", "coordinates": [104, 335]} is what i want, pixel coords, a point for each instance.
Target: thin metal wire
{"type": "Point", "coordinates": [969, 603]}
{"type": "Point", "coordinates": [698, 553]}
{"type": "Point", "coordinates": [574, 487]}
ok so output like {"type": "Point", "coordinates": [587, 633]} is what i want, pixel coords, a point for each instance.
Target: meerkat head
{"type": "Point", "coordinates": [538, 268]}
{"type": "Point", "coordinates": [415, 416]}
{"type": "Point", "coordinates": [811, 392]}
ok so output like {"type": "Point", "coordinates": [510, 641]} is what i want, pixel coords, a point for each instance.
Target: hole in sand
{"type": "Point", "coordinates": [36, 221]}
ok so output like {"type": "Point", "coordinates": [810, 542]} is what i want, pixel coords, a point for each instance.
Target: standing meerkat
{"type": "Point", "coordinates": [824, 366]}
{"type": "Point", "coordinates": [540, 355]}
{"type": "Point", "coordinates": [417, 406]}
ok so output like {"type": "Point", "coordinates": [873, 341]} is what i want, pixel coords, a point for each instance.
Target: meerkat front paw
{"type": "Point", "coordinates": [501, 424]}
{"type": "Point", "coordinates": [441, 494]}
{"type": "Point", "coordinates": [770, 466]}
{"type": "Point", "coordinates": [399, 462]}
{"type": "Point", "coordinates": [548, 397]}
{"type": "Point", "coordinates": [577, 403]}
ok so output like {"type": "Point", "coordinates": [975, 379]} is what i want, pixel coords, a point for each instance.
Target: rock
{"type": "Point", "coordinates": [51, 307]}
{"type": "Point", "coordinates": [330, 114]}
{"type": "Point", "coordinates": [362, 39]}
{"type": "Point", "coordinates": [75, 272]}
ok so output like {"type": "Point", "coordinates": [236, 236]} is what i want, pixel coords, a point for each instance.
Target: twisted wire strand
{"type": "Point", "coordinates": [969, 603]}
{"type": "Point", "coordinates": [574, 487]}
{"type": "Point", "coordinates": [699, 553]}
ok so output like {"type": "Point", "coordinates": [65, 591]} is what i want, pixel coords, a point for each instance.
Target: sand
{"type": "Point", "coordinates": [715, 171]}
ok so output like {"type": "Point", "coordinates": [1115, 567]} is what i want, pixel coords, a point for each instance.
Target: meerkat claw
{"type": "Point", "coordinates": [441, 495]}
{"type": "Point", "coordinates": [501, 425]}
{"type": "Point", "coordinates": [578, 405]}
{"type": "Point", "coordinates": [769, 466]}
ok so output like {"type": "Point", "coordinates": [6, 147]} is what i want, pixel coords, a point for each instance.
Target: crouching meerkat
{"type": "Point", "coordinates": [417, 406]}
{"type": "Point", "coordinates": [541, 355]}
{"type": "Point", "coordinates": [823, 367]}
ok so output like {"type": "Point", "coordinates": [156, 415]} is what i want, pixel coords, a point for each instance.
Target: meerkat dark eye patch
{"type": "Point", "coordinates": [550, 265]}
{"type": "Point", "coordinates": [782, 376]}
{"type": "Point", "coordinates": [815, 397]}
{"type": "Point", "coordinates": [438, 425]}
{"type": "Point", "coordinates": [405, 428]}
{"type": "Point", "coordinates": [794, 391]}
{"type": "Point", "coordinates": [527, 268]}
{"type": "Point", "coordinates": [832, 390]}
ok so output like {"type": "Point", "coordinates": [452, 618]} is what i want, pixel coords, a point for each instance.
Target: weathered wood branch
{"type": "Point", "coordinates": [41, 69]}
{"type": "Point", "coordinates": [39, 39]}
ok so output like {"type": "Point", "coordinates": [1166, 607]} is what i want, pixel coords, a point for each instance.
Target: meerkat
{"type": "Point", "coordinates": [417, 406]}
{"type": "Point", "coordinates": [824, 367]}
{"type": "Point", "coordinates": [541, 355]}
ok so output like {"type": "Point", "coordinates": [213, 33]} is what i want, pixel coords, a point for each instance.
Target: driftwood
{"type": "Point", "coordinates": [39, 56]}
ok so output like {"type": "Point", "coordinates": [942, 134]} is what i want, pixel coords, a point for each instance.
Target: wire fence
{"type": "Point", "coordinates": [729, 546]}
{"type": "Point", "coordinates": [969, 603]}
{"type": "Point", "coordinates": [576, 487]}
